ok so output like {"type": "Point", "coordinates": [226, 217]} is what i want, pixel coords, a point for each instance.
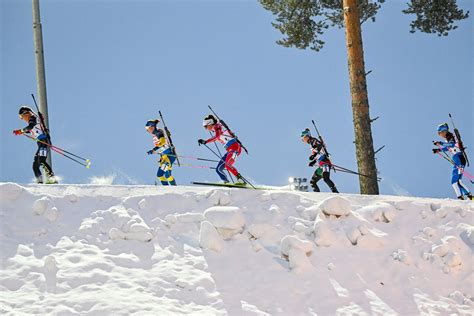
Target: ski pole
{"type": "Point", "coordinates": [63, 152]}
{"type": "Point", "coordinates": [342, 169]}
{"type": "Point", "coordinates": [57, 148]}
{"type": "Point", "coordinates": [192, 157]}
{"type": "Point", "coordinates": [229, 166]}
{"type": "Point", "coordinates": [195, 166]}
{"type": "Point", "coordinates": [464, 172]}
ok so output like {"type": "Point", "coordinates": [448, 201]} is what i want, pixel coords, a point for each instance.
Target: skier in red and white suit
{"type": "Point", "coordinates": [231, 145]}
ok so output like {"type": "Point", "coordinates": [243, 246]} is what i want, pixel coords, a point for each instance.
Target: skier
{"type": "Point", "coordinates": [231, 145]}
{"type": "Point", "coordinates": [161, 147]}
{"type": "Point", "coordinates": [35, 129]}
{"type": "Point", "coordinates": [458, 160]}
{"type": "Point", "coordinates": [320, 157]}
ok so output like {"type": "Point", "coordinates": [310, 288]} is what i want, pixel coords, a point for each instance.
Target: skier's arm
{"type": "Point", "coordinates": [445, 146]}
{"type": "Point", "coordinates": [218, 133]}
{"type": "Point", "coordinates": [30, 126]}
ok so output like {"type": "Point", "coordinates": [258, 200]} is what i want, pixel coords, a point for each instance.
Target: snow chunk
{"type": "Point", "coordinates": [142, 204]}
{"type": "Point", "coordinates": [335, 205]}
{"type": "Point", "coordinates": [380, 212]}
{"type": "Point", "coordinates": [261, 230]}
{"type": "Point", "coordinates": [41, 205]}
{"type": "Point", "coordinates": [209, 237]}
{"type": "Point", "coordinates": [440, 250]}
{"type": "Point", "coordinates": [353, 235]}
{"type": "Point", "coordinates": [171, 219]}
{"type": "Point", "coordinates": [324, 237]}
{"type": "Point", "coordinates": [190, 217]}
{"type": "Point", "coordinates": [297, 252]}
{"type": "Point", "coordinates": [293, 242]}
{"type": "Point", "coordinates": [453, 259]}
{"type": "Point", "coordinates": [117, 223]}
{"type": "Point", "coordinates": [389, 213]}
{"type": "Point", "coordinates": [402, 256]}
{"type": "Point", "coordinates": [220, 198]}
{"type": "Point", "coordinates": [310, 213]}
{"type": "Point", "coordinates": [299, 261]}
{"type": "Point", "coordinates": [52, 214]}
{"type": "Point", "coordinates": [227, 219]}
{"type": "Point", "coordinates": [429, 232]}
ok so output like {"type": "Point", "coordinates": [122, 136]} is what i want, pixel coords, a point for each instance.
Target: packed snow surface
{"type": "Point", "coordinates": [119, 250]}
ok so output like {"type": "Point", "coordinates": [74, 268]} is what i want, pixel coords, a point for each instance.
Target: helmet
{"type": "Point", "coordinates": [305, 133]}
{"type": "Point", "coordinates": [209, 120]}
{"type": "Point", "coordinates": [24, 109]}
{"type": "Point", "coordinates": [152, 123]}
{"type": "Point", "coordinates": [443, 127]}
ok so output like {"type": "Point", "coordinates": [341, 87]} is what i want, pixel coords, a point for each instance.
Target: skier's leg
{"type": "Point", "coordinates": [329, 182]}
{"type": "Point", "coordinates": [160, 174]}
{"type": "Point", "coordinates": [46, 167]}
{"type": "Point", "coordinates": [220, 169]}
{"type": "Point", "coordinates": [230, 160]}
{"type": "Point", "coordinates": [463, 187]}
{"type": "Point", "coordinates": [36, 168]}
{"type": "Point", "coordinates": [454, 182]}
{"type": "Point", "coordinates": [232, 152]}
{"type": "Point", "coordinates": [314, 180]}
{"type": "Point", "coordinates": [169, 177]}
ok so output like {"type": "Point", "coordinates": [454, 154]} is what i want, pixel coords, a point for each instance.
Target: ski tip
{"type": "Point", "coordinates": [88, 164]}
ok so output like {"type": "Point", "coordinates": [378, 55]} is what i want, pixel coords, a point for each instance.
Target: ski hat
{"type": "Point", "coordinates": [208, 120]}
{"type": "Point", "coordinates": [305, 133]}
{"type": "Point", "coordinates": [151, 123]}
{"type": "Point", "coordinates": [24, 109]}
{"type": "Point", "coordinates": [443, 127]}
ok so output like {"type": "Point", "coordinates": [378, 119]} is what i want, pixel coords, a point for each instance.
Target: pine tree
{"type": "Point", "coordinates": [303, 22]}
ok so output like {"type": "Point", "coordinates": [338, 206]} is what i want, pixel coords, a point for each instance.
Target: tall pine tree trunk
{"type": "Point", "coordinates": [360, 101]}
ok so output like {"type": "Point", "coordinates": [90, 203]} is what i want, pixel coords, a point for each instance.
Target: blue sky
{"type": "Point", "coordinates": [111, 65]}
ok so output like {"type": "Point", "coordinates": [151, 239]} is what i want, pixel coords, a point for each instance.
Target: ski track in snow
{"type": "Point", "coordinates": [120, 250]}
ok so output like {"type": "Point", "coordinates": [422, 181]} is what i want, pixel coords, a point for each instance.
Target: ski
{"type": "Point", "coordinates": [231, 185]}
{"type": "Point", "coordinates": [168, 138]}
{"type": "Point", "coordinates": [228, 129]}
{"type": "Point", "coordinates": [459, 140]}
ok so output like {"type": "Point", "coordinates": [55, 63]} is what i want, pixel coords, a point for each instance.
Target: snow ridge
{"type": "Point", "coordinates": [93, 249]}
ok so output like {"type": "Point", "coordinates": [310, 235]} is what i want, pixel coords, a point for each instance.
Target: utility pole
{"type": "Point", "coordinates": [40, 73]}
{"type": "Point", "coordinates": [360, 101]}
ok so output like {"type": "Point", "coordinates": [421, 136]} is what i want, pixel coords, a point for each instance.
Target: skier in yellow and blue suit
{"type": "Point", "coordinates": [161, 147]}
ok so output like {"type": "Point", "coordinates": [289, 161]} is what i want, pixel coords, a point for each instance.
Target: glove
{"type": "Point", "coordinates": [201, 142]}
{"type": "Point", "coordinates": [312, 163]}
{"type": "Point", "coordinates": [312, 157]}
{"type": "Point", "coordinates": [18, 132]}
{"type": "Point", "coordinates": [150, 152]}
{"type": "Point", "coordinates": [436, 150]}
{"type": "Point", "coordinates": [436, 143]}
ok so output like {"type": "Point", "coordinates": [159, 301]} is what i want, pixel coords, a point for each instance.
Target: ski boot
{"type": "Point", "coordinates": [240, 180]}
{"type": "Point", "coordinates": [52, 180]}
{"type": "Point", "coordinates": [469, 196]}
{"type": "Point", "coordinates": [460, 197]}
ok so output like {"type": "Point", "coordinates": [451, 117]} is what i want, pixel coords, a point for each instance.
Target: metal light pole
{"type": "Point", "coordinates": [40, 73]}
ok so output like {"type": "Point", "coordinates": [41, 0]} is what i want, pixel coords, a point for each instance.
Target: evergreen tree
{"type": "Point", "coordinates": [303, 22]}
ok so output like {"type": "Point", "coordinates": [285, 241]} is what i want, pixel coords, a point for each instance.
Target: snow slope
{"type": "Point", "coordinates": [85, 249]}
